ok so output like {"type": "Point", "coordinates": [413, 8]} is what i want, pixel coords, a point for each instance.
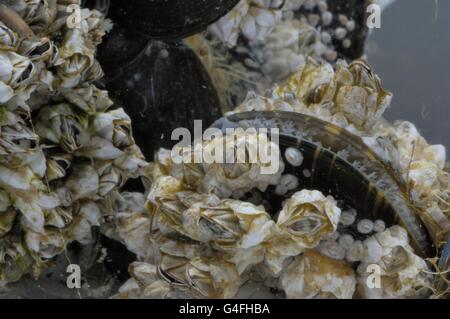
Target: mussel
{"type": "Point", "coordinates": [164, 87]}
{"type": "Point", "coordinates": [350, 16]}
{"type": "Point", "coordinates": [169, 19]}
{"type": "Point", "coordinates": [338, 163]}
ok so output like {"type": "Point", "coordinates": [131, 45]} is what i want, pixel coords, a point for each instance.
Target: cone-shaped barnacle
{"type": "Point", "coordinates": [343, 20]}
{"type": "Point", "coordinates": [234, 164]}
{"type": "Point", "coordinates": [338, 163]}
{"type": "Point", "coordinates": [402, 273]}
{"type": "Point", "coordinates": [62, 151]}
{"type": "Point", "coordinates": [172, 19]}
{"type": "Point", "coordinates": [313, 275]}
{"type": "Point", "coordinates": [191, 266]}
{"type": "Point", "coordinates": [232, 226]}
{"type": "Point", "coordinates": [213, 278]}
{"type": "Point", "coordinates": [166, 80]}
{"type": "Point", "coordinates": [306, 218]}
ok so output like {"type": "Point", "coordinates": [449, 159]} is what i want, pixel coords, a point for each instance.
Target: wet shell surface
{"type": "Point", "coordinates": [169, 19]}
{"type": "Point", "coordinates": [342, 166]}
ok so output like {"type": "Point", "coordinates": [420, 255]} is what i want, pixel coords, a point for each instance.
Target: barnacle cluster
{"type": "Point", "coordinates": [308, 248]}
{"type": "Point", "coordinates": [221, 227]}
{"type": "Point", "coordinates": [64, 151]}
{"type": "Point", "coordinates": [261, 42]}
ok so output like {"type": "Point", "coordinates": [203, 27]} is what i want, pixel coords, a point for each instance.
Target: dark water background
{"type": "Point", "coordinates": [411, 54]}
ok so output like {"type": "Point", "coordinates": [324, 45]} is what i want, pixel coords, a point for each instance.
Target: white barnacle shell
{"type": "Point", "coordinates": [348, 217]}
{"type": "Point", "coordinates": [16, 71]}
{"type": "Point", "coordinates": [308, 216]}
{"type": "Point", "coordinates": [234, 172]}
{"type": "Point", "coordinates": [230, 225]}
{"type": "Point", "coordinates": [312, 79]}
{"type": "Point", "coordinates": [331, 249]}
{"type": "Point", "coordinates": [287, 183]}
{"type": "Point", "coordinates": [145, 283]}
{"type": "Point", "coordinates": [294, 156]}
{"type": "Point", "coordinates": [255, 102]}
{"type": "Point", "coordinates": [259, 22]}
{"type": "Point", "coordinates": [213, 278]}
{"type": "Point", "coordinates": [356, 252]}
{"type": "Point", "coordinates": [47, 244]}
{"type": "Point", "coordinates": [379, 226]}
{"type": "Point", "coordinates": [313, 275]}
{"type": "Point", "coordinates": [8, 38]}
{"type": "Point", "coordinates": [423, 178]}
{"type": "Point", "coordinates": [436, 154]}
{"type": "Point", "coordinates": [373, 250]}
{"type": "Point", "coordinates": [83, 183]}
{"type": "Point", "coordinates": [132, 224]}
{"type": "Point", "coordinates": [365, 226]}
{"type": "Point", "coordinates": [346, 241]}
{"type": "Point", "coordinates": [53, 200]}
{"type": "Point", "coordinates": [359, 94]}
{"type": "Point", "coordinates": [227, 27]}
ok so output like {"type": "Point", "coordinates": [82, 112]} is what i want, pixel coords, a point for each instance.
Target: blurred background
{"type": "Point", "coordinates": [411, 54]}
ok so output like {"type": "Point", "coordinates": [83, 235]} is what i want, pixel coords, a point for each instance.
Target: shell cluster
{"type": "Point", "coordinates": [217, 229]}
{"type": "Point", "coordinates": [266, 40]}
{"type": "Point", "coordinates": [64, 151]}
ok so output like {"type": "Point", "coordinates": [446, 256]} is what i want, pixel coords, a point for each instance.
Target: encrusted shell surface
{"type": "Point", "coordinates": [403, 274]}
{"type": "Point", "coordinates": [63, 151]}
{"type": "Point", "coordinates": [313, 275]}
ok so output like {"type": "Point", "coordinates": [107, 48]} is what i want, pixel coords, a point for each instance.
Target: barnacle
{"type": "Point", "coordinates": [265, 41]}
{"type": "Point", "coordinates": [403, 273]}
{"type": "Point", "coordinates": [59, 163]}
{"type": "Point", "coordinates": [229, 224]}
{"type": "Point", "coordinates": [234, 227]}
{"type": "Point", "coordinates": [313, 275]}
{"type": "Point", "coordinates": [352, 93]}
{"type": "Point", "coordinates": [247, 155]}
{"type": "Point", "coordinates": [306, 218]}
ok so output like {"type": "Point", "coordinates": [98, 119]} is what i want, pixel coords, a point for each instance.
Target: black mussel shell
{"type": "Point", "coordinates": [165, 87]}
{"type": "Point", "coordinates": [169, 19]}
{"type": "Point", "coordinates": [355, 10]}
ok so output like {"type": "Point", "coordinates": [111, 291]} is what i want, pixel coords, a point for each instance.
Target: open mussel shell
{"type": "Point", "coordinates": [169, 19]}
{"type": "Point", "coordinates": [338, 163]}
{"type": "Point", "coordinates": [165, 87]}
